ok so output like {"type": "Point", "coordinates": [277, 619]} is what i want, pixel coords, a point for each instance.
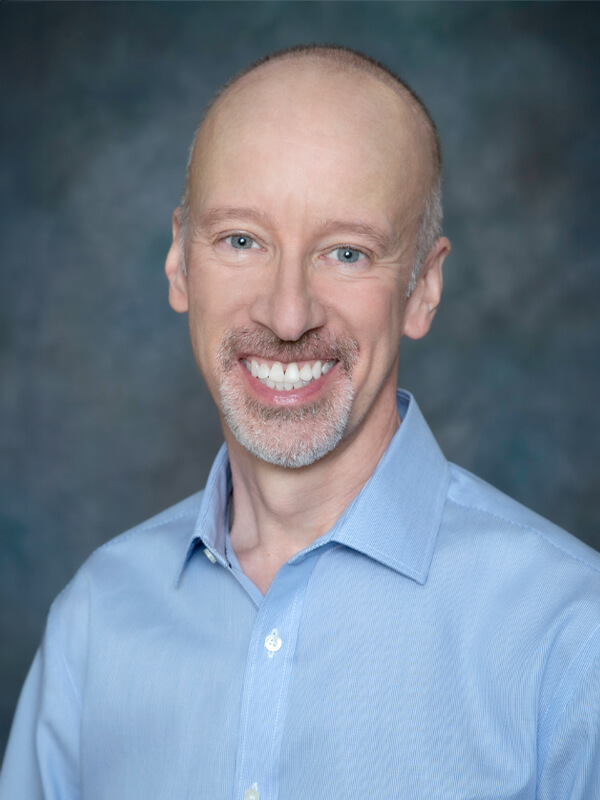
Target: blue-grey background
{"type": "Point", "coordinates": [104, 418]}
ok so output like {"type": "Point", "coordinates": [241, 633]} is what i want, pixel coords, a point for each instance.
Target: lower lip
{"type": "Point", "coordinates": [282, 397]}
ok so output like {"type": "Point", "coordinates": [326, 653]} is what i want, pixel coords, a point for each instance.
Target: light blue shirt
{"type": "Point", "coordinates": [440, 642]}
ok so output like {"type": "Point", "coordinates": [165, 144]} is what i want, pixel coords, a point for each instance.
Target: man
{"type": "Point", "coordinates": [341, 613]}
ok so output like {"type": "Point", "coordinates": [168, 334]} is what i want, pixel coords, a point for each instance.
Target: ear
{"type": "Point", "coordinates": [178, 296]}
{"type": "Point", "coordinates": [425, 298]}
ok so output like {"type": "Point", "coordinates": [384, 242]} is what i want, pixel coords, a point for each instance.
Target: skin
{"type": "Point", "coordinates": [305, 159]}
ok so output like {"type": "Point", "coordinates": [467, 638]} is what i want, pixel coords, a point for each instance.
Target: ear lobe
{"type": "Point", "coordinates": [426, 296]}
{"type": "Point", "coordinates": [178, 296]}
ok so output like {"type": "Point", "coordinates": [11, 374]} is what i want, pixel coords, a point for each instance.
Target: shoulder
{"type": "Point", "coordinates": [484, 511]}
{"type": "Point", "coordinates": [149, 554]}
{"type": "Point", "coordinates": [119, 583]}
{"type": "Point", "coordinates": [533, 588]}
{"type": "Point", "coordinates": [162, 539]}
{"type": "Point", "coordinates": [539, 584]}
{"type": "Point", "coordinates": [169, 529]}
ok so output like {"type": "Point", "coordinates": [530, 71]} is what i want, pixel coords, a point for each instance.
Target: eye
{"type": "Point", "coordinates": [239, 241]}
{"type": "Point", "coordinates": [347, 255]}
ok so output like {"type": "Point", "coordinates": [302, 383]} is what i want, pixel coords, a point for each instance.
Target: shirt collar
{"type": "Point", "coordinates": [394, 519]}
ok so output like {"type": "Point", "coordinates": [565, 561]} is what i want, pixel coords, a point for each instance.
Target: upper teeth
{"type": "Point", "coordinates": [278, 376]}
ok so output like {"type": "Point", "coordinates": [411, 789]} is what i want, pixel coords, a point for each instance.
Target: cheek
{"type": "Point", "coordinates": [381, 319]}
{"type": "Point", "coordinates": [214, 290]}
{"type": "Point", "coordinates": [212, 312]}
{"type": "Point", "coordinates": [374, 315]}
{"type": "Point", "coordinates": [217, 300]}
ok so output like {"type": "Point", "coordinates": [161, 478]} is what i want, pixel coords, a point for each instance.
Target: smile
{"type": "Point", "coordinates": [287, 377]}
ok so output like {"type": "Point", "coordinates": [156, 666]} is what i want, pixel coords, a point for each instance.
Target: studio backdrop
{"type": "Point", "coordinates": [105, 420]}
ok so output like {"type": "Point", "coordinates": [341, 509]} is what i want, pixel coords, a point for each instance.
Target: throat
{"type": "Point", "coordinates": [261, 567]}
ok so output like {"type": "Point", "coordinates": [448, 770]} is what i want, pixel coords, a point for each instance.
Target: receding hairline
{"type": "Point", "coordinates": [342, 58]}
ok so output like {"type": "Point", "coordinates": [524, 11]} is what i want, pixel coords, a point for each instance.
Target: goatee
{"type": "Point", "coordinates": [295, 436]}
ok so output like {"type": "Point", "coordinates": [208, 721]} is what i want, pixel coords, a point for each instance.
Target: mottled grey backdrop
{"type": "Point", "coordinates": [104, 418]}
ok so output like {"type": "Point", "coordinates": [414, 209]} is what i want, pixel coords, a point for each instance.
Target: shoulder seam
{"type": "Point", "coordinates": [145, 526]}
{"type": "Point", "coordinates": [520, 525]}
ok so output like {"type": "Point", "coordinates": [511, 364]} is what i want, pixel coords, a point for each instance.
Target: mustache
{"type": "Point", "coordinates": [311, 346]}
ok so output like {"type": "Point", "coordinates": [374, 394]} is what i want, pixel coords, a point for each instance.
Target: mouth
{"type": "Point", "coordinates": [285, 377]}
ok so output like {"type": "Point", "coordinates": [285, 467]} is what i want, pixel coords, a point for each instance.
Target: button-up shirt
{"type": "Point", "coordinates": [440, 642]}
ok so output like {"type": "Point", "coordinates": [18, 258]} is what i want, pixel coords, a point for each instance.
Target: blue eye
{"type": "Point", "coordinates": [348, 255]}
{"type": "Point", "coordinates": [240, 242]}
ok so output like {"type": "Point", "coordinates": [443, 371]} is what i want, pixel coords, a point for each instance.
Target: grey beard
{"type": "Point", "coordinates": [287, 437]}
{"type": "Point", "coordinates": [264, 431]}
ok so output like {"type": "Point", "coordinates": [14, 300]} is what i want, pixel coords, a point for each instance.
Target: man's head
{"type": "Point", "coordinates": [312, 194]}
{"type": "Point", "coordinates": [345, 59]}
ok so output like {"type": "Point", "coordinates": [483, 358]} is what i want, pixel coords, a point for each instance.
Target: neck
{"type": "Point", "coordinates": [278, 512]}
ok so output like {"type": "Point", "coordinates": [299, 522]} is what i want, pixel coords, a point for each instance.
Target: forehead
{"type": "Point", "coordinates": [296, 126]}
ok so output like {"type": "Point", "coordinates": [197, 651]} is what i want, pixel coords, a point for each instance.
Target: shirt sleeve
{"type": "Point", "coordinates": [42, 756]}
{"type": "Point", "coordinates": [571, 767]}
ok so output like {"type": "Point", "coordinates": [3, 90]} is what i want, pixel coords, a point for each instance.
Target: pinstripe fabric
{"type": "Point", "coordinates": [440, 642]}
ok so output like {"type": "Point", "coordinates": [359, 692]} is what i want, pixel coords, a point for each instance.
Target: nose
{"type": "Point", "coordinates": [288, 303]}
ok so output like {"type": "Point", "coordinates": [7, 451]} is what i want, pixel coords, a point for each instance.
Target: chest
{"type": "Point", "coordinates": [341, 684]}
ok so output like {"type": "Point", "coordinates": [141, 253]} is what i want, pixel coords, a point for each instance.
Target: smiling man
{"type": "Point", "coordinates": [298, 235]}
{"type": "Point", "coordinates": [341, 612]}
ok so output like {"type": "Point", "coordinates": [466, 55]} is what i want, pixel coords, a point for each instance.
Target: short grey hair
{"type": "Point", "coordinates": [430, 229]}
{"type": "Point", "coordinates": [430, 224]}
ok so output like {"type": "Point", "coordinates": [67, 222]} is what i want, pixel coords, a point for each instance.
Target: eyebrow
{"type": "Point", "coordinates": [213, 216]}
{"type": "Point", "coordinates": [358, 229]}
{"type": "Point", "coordinates": [219, 214]}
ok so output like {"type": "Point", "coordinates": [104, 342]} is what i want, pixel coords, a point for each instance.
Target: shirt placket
{"type": "Point", "coordinates": [269, 670]}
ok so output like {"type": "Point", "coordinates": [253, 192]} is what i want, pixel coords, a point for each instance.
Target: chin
{"type": "Point", "coordinates": [287, 436]}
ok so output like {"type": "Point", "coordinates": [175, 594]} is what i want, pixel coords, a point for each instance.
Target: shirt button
{"type": "Point", "coordinates": [251, 794]}
{"type": "Point", "coordinates": [273, 642]}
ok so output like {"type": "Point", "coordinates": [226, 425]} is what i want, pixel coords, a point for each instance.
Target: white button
{"type": "Point", "coordinates": [273, 642]}
{"type": "Point", "coordinates": [251, 794]}
{"type": "Point", "coordinates": [210, 556]}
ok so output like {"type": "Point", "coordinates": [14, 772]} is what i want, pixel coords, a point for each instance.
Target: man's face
{"type": "Point", "coordinates": [306, 187]}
